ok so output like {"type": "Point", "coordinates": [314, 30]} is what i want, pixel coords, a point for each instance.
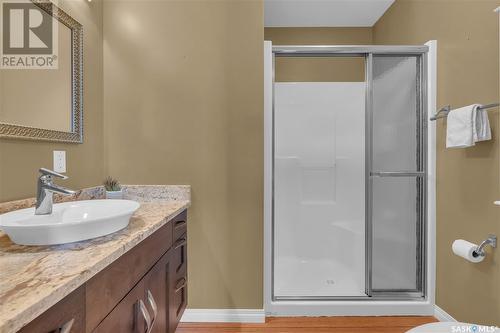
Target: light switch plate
{"type": "Point", "coordinates": [60, 161]}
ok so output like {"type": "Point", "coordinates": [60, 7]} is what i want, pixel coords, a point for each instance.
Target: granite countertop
{"type": "Point", "coordinates": [34, 278]}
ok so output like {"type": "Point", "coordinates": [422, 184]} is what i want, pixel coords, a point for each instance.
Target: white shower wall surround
{"type": "Point", "coordinates": [319, 189]}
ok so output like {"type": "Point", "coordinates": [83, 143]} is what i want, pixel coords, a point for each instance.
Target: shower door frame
{"type": "Point", "coordinates": [367, 52]}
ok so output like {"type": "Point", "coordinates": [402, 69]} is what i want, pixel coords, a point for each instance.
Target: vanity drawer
{"type": "Point", "coordinates": [179, 256]}
{"type": "Point", "coordinates": [107, 288]}
{"type": "Point", "coordinates": [69, 313]}
{"type": "Point", "coordinates": [180, 225]}
{"type": "Point", "coordinates": [179, 302]}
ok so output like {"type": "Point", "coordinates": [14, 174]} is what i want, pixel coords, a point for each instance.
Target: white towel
{"type": "Point", "coordinates": [466, 126]}
{"type": "Point", "coordinates": [482, 126]}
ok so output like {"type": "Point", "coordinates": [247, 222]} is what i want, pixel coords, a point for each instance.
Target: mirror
{"type": "Point", "coordinates": [41, 92]}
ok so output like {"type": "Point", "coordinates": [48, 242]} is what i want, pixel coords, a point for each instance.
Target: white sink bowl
{"type": "Point", "coordinates": [69, 222]}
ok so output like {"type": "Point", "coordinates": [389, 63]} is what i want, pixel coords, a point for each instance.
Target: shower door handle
{"type": "Point", "coordinates": [398, 174]}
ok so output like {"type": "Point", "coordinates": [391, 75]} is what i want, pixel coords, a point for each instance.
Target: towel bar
{"type": "Point", "coordinates": [443, 112]}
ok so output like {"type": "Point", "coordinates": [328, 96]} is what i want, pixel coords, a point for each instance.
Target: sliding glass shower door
{"type": "Point", "coordinates": [397, 177]}
{"type": "Point", "coordinates": [349, 175]}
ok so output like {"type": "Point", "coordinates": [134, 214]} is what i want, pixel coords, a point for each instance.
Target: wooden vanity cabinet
{"type": "Point", "coordinates": [144, 291]}
{"type": "Point", "coordinates": [160, 293]}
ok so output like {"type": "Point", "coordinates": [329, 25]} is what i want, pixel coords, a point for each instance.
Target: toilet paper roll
{"type": "Point", "coordinates": [465, 249]}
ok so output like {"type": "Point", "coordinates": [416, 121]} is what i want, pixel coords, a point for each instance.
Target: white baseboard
{"type": "Point", "coordinates": [224, 316]}
{"type": "Point", "coordinates": [442, 315]}
{"type": "Point", "coordinates": [257, 315]}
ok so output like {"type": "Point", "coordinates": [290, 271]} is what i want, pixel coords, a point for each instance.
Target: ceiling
{"type": "Point", "coordinates": [324, 13]}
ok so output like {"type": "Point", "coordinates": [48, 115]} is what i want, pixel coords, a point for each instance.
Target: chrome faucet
{"type": "Point", "coordinates": [46, 189]}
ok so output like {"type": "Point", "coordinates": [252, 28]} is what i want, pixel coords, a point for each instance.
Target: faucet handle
{"type": "Point", "coordinates": [47, 172]}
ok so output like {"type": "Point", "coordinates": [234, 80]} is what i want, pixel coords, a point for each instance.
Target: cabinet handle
{"type": "Point", "coordinates": [179, 243]}
{"type": "Point", "coordinates": [180, 224]}
{"type": "Point", "coordinates": [152, 304]}
{"type": "Point", "coordinates": [181, 283]}
{"type": "Point", "coordinates": [145, 315]}
{"type": "Point", "coordinates": [66, 328]}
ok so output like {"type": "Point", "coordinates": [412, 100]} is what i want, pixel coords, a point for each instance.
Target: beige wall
{"type": "Point", "coordinates": [467, 179]}
{"type": "Point", "coordinates": [20, 160]}
{"type": "Point", "coordinates": [307, 69]}
{"type": "Point", "coordinates": [183, 92]}
{"type": "Point", "coordinates": [319, 36]}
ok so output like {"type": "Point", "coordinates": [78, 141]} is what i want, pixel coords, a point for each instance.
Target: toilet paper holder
{"type": "Point", "coordinates": [479, 251]}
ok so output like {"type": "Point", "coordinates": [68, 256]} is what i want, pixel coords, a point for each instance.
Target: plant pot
{"type": "Point", "coordinates": [114, 194]}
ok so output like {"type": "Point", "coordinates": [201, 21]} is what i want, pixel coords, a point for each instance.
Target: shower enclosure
{"type": "Point", "coordinates": [347, 178]}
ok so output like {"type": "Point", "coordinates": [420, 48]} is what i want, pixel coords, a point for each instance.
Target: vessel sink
{"type": "Point", "coordinates": [69, 222]}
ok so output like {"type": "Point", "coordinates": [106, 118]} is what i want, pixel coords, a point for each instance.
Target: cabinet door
{"type": "Point", "coordinates": [126, 317]}
{"type": "Point", "coordinates": [156, 296]}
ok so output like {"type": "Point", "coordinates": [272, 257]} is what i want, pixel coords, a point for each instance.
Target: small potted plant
{"type": "Point", "coordinates": [113, 188]}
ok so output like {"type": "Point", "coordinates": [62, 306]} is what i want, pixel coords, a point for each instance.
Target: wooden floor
{"type": "Point", "coordinates": [313, 325]}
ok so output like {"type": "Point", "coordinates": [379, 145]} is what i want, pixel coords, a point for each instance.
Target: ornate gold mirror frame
{"type": "Point", "coordinates": [76, 134]}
